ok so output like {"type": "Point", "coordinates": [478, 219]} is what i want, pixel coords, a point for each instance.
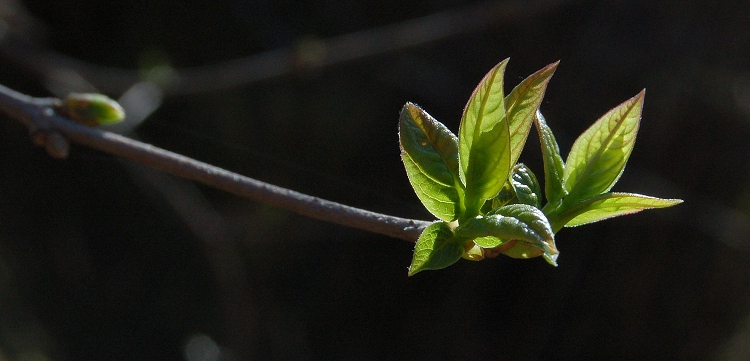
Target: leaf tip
{"type": "Point", "coordinates": [551, 258]}
{"type": "Point", "coordinates": [499, 67]}
{"type": "Point", "coordinates": [408, 107]}
{"type": "Point", "coordinates": [412, 270]}
{"type": "Point", "coordinates": [640, 96]}
{"type": "Point", "coordinates": [674, 202]}
{"type": "Point", "coordinates": [552, 66]}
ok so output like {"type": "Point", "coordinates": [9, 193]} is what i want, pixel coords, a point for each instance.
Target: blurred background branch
{"type": "Point", "coordinates": [307, 54]}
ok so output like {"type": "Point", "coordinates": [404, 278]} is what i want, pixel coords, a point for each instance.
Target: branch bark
{"type": "Point", "coordinates": [39, 116]}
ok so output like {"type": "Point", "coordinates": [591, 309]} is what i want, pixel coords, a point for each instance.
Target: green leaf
{"type": "Point", "coordinates": [92, 109]}
{"type": "Point", "coordinates": [522, 103]}
{"type": "Point", "coordinates": [531, 216]}
{"type": "Point", "coordinates": [436, 248]}
{"type": "Point", "coordinates": [430, 155]}
{"type": "Point", "coordinates": [527, 188]}
{"type": "Point", "coordinates": [598, 156]}
{"type": "Point", "coordinates": [494, 230]}
{"type": "Point", "coordinates": [525, 224]}
{"type": "Point", "coordinates": [554, 168]}
{"type": "Point", "coordinates": [439, 199]}
{"type": "Point", "coordinates": [610, 205]}
{"type": "Point", "coordinates": [521, 187]}
{"type": "Point", "coordinates": [484, 141]}
{"type": "Point", "coordinates": [538, 222]}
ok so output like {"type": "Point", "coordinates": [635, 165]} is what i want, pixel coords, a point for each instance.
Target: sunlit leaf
{"type": "Point", "coordinates": [494, 230]}
{"type": "Point", "coordinates": [598, 156]}
{"type": "Point", "coordinates": [554, 168]}
{"type": "Point", "coordinates": [521, 105]}
{"type": "Point", "coordinates": [538, 222]}
{"type": "Point", "coordinates": [484, 141]}
{"type": "Point", "coordinates": [610, 205]}
{"type": "Point", "coordinates": [430, 155]}
{"type": "Point", "coordinates": [436, 248]}
{"type": "Point", "coordinates": [439, 199]}
{"type": "Point", "coordinates": [491, 205]}
{"type": "Point", "coordinates": [529, 215]}
{"type": "Point", "coordinates": [525, 224]}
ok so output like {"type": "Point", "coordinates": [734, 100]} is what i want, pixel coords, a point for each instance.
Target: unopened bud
{"type": "Point", "coordinates": [92, 109]}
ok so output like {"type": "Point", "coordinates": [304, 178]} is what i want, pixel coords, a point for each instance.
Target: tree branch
{"type": "Point", "coordinates": [287, 60]}
{"type": "Point", "coordinates": [46, 126]}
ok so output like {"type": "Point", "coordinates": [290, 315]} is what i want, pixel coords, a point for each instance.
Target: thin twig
{"type": "Point", "coordinates": [38, 114]}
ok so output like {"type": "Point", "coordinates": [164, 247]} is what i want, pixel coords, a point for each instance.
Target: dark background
{"type": "Point", "coordinates": [103, 259]}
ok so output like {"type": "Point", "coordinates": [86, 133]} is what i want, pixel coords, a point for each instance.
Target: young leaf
{"type": "Point", "coordinates": [610, 205]}
{"type": "Point", "coordinates": [484, 141]}
{"type": "Point", "coordinates": [521, 187]}
{"type": "Point", "coordinates": [494, 230]}
{"type": "Point", "coordinates": [538, 221]}
{"type": "Point", "coordinates": [531, 216]}
{"type": "Point", "coordinates": [430, 155]}
{"type": "Point", "coordinates": [598, 156]}
{"type": "Point", "coordinates": [522, 103]}
{"type": "Point", "coordinates": [554, 168]}
{"type": "Point", "coordinates": [436, 248]}
{"type": "Point", "coordinates": [526, 186]}
{"type": "Point", "coordinates": [439, 199]}
{"type": "Point", "coordinates": [525, 224]}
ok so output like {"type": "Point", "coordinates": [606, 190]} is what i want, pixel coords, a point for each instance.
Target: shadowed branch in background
{"type": "Point", "coordinates": [307, 54]}
{"type": "Point", "coordinates": [52, 130]}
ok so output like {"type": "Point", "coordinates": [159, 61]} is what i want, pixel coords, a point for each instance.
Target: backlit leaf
{"type": "Point", "coordinates": [436, 248]}
{"type": "Point", "coordinates": [610, 205]}
{"type": "Point", "coordinates": [430, 155]}
{"type": "Point", "coordinates": [525, 224]}
{"type": "Point", "coordinates": [598, 156]}
{"type": "Point", "coordinates": [492, 231]}
{"type": "Point", "coordinates": [538, 222]}
{"type": "Point", "coordinates": [484, 141]}
{"type": "Point", "coordinates": [554, 168]}
{"type": "Point", "coordinates": [522, 103]}
{"type": "Point", "coordinates": [439, 199]}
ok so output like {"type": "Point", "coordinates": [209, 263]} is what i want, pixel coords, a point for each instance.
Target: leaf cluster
{"type": "Point", "coordinates": [489, 204]}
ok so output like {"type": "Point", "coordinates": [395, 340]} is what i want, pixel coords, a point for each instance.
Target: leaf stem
{"type": "Point", "coordinates": [39, 116]}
